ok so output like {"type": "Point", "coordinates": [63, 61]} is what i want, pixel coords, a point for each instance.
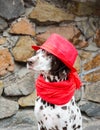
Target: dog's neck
{"type": "Point", "coordinates": [56, 77]}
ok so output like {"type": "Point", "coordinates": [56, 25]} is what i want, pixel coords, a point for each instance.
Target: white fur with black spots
{"type": "Point", "coordinates": [51, 116]}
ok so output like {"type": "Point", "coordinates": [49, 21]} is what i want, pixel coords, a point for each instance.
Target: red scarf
{"type": "Point", "coordinates": [58, 93]}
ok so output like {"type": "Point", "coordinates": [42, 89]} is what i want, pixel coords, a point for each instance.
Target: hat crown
{"type": "Point", "coordinates": [61, 47]}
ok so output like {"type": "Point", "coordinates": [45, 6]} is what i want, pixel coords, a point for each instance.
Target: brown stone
{"type": "Point", "coordinates": [85, 55]}
{"type": "Point", "coordinates": [28, 100]}
{"type": "Point", "coordinates": [1, 87]}
{"type": "Point", "coordinates": [76, 40]}
{"type": "Point", "coordinates": [22, 26]}
{"type": "Point", "coordinates": [23, 50]}
{"type": "Point", "coordinates": [83, 44]}
{"type": "Point", "coordinates": [47, 13]}
{"type": "Point", "coordinates": [6, 62]}
{"type": "Point", "coordinates": [83, 8]}
{"type": "Point", "coordinates": [95, 62]}
{"type": "Point", "coordinates": [69, 32]}
{"type": "Point", "coordinates": [2, 40]}
{"type": "Point", "coordinates": [97, 39]}
{"type": "Point", "coordinates": [77, 64]}
{"type": "Point", "coordinates": [97, 12]}
{"type": "Point", "coordinates": [93, 77]}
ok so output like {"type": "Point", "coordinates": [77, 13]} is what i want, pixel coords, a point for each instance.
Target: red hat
{"type": "Point", "coordinates": [61, 48]}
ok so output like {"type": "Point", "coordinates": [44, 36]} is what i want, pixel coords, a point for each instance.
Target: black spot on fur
{"type": "Point", "coordinates": [74, 117]}
{"type": "Point", "coordinates": [64, 128]}
{"type": "Point", "coordinates": [52, 105]}
{"type": "Point", "coordinates": [64, 107]}
{"type": "Point", "coordinates": [43, 128]}
{"type": "Point", "coordinates": [41, 122]}
{"type": "Point", "coordinates": [48, 103]}
{"type": "Point", "coordinates": [58, 115]}
{"type": "Point", "coordinates": [73, 103]}
{"type": "Point", "coordinates": [66, 123]}
{"type": "Point", "coordinates": [43, 101]}
{"type": "Point", "coordinates": [41, 107]}
{"type": "Point", "coordinates": [56, 127]}
{"type": "Point", "coordinates": [74, 125]}
{"type": "Point", "coordinates": [77, 110]}
{"type": "Point", "coordinates": [72, 111]}
{"type": "Point", "coordinates": [46, 118]}
{"type": "Point", "coordinates": [78, 126]}
{"type": "Point", "coordinates": [48, 77]}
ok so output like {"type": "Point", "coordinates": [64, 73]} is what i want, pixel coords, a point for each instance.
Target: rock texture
{"type": "Point", "coordinates": [23, 26]}
{"type": "Point", "coordinates": [1, 87]}
{"type": "Point", "coordinates": [2, 40]}
{"type": "Point", "coordinates": [22, 51]}
{"type": "Point", "coordinates": [69, 32]}
{"type": "Point", "coordinates": [24, 23]}
{"type": "Point", "coordinates": [28, 101]}
{"type": "Point", "coordinates": [92, 92]}
{"type": "Point", "coordinates": [23, 86]}
{"type": "Point", "coordinates": [11, 9]}
{"type": "Point", "coordinates": [97, 38]}
{"type": "Point", "coordinates": [82, 9]}
{"type": "Point", "coordinates": [6, 62]}
{"type": "Point", "coordinates": [52, 15]}
{"type": "Point", "coordinates": [94, 63]}
{"type": "Point", "coordinates": [90, 109]}
{"type": "Point", "coordinates": [24, 119]}
{"type": "Point", "coordinates": [7, 108]}
{"type": "Point", "coordinates": [3, 24]}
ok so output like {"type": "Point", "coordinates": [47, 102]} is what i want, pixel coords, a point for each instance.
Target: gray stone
{"type": "Point", "coordinates": [11, 9]}
{"type": "Point", "coordinates": [7, 108]}
{"type": "Point", "coordinates": [78, 95]}
{"type": "Point", "coordinates": [91, 109]}
{"type": "Point", "coordinates": [92, 46]}
{"type": "Point", "coordinates": [90, 122]}
{"type": "Point", "coordinates": [23, 86]}
{"type": "Point", "coordinates": [92, 127]}
{"type": "Point", "coordinates": [3, 24]}
{"type": "Point", "coordinates": [88, 26]}
{"type": "Point", "coordinates": [23, 120]}
{"type": "Point", "coordinates": [92, 92]}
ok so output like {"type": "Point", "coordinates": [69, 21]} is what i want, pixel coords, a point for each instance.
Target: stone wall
{"type": "Point", "coordinates": [24, 23]}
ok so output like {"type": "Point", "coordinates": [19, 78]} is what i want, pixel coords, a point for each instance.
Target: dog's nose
{"type": "Point", "coordinates": [29, 62]}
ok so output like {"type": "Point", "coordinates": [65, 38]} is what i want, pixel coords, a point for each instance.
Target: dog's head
{"type": "Point", "coordinates": [40, 62]}
{"type": "Point", "coordinates": [44, 61]}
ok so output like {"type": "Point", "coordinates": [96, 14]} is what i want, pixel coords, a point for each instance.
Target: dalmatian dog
{"type": "Point", "coordinates": [50, 116]}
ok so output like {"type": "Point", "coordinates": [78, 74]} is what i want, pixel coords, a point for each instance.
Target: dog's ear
{"type": "Point", "coordinates": [55, 64]}
{"type": "Point", "coordinates": [57, 67]}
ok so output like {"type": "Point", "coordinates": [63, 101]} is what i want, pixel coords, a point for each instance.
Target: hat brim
{"type": "Point", "coordinates": [36, 47]}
